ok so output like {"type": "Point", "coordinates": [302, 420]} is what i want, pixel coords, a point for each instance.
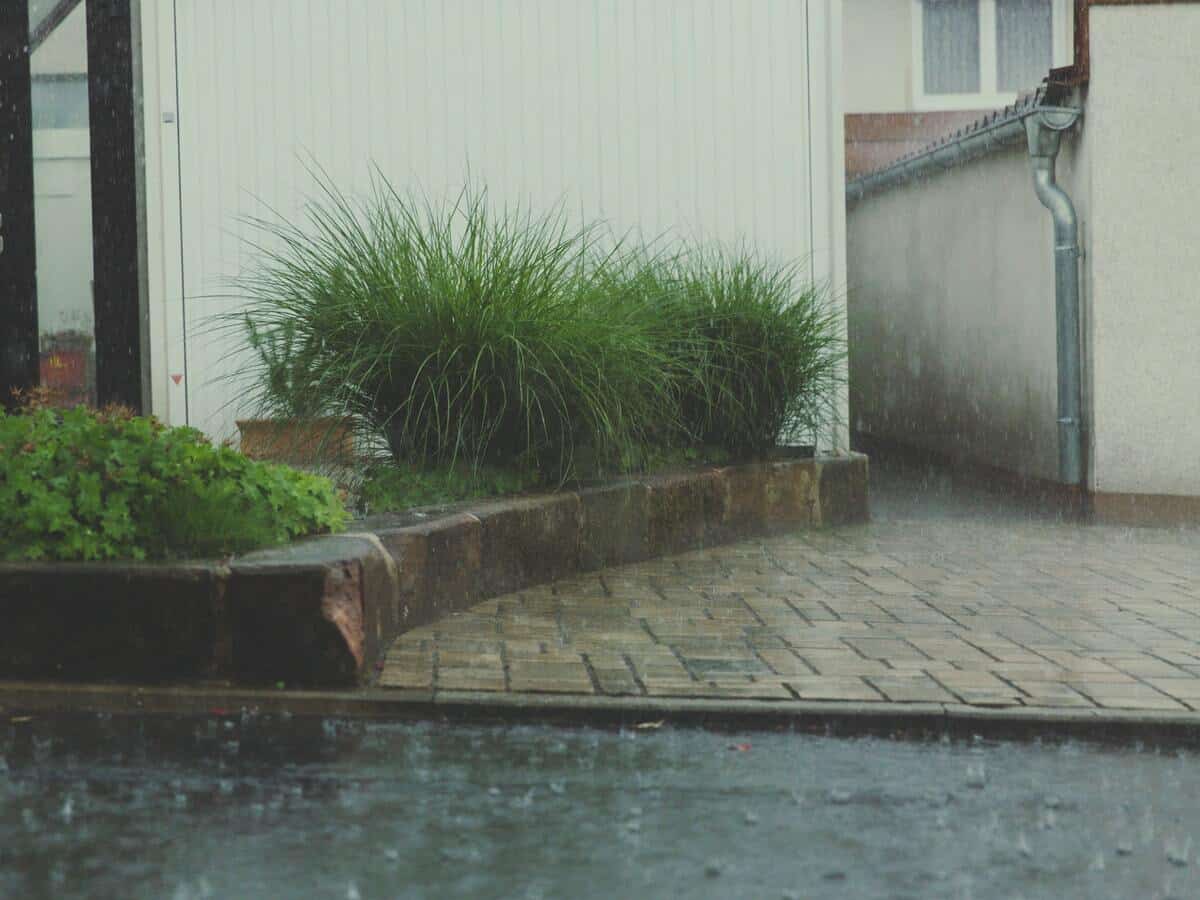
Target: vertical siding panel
{"type": "Point", "coordinates": [687, 118]}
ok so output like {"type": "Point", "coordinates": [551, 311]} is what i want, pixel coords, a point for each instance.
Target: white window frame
{"type": "Point", "coordinates": [988, 96]}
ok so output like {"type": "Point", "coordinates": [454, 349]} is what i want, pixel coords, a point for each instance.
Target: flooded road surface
{"type": "Point", "coordinates": [226, 808]}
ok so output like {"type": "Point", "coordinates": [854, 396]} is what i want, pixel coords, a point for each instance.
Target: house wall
{"type": "Point", "coordinates": [719, 121]}
{"type": "Point", "coordinates": [951, 312]}
{"type": "Point", "coordinates": [879, 69]}
{"type": "Point", "coordinates": [878, 61]}
{"type": "Point", "coordinates": [951, 289]}
{"type": "Point", "coordinates": [1146, 342]}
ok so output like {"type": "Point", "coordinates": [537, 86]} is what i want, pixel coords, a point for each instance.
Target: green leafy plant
{"type": "Point", "coordinates": [81, 484]}
{"type": "Point", "coordinates": [458, 333]}
{"type": "Point", "coordinates": [461, 335]}
{"type": "Point", "coordinates": [754, 347]}
{"type": "Point", "coordinates": [391, 487]}
{"type": "Point", "coordinates": [282, 371]}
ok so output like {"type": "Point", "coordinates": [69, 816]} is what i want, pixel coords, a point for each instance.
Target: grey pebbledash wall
{"type": "Point", "coordinates": [950, 287]}
{"type": "Point", "coordinates": [950, 300]}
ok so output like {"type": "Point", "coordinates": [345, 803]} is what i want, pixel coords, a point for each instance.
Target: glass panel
{"type": "Point", "coordinates": [62, 184]}
{"type": "Point", "coordinates": [1023, 43]}
{"type": "Point", "coordinates": [951, 46]}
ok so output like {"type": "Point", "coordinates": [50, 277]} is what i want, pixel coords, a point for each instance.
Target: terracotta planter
{"type": "Point", "coordinates": [299, 441]}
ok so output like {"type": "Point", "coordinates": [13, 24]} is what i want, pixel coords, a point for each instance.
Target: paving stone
{"type": "Point", "coordinates": [816, 688]}
{"type": "Point", "coordinates": [911, 690]}
{"type": "Point", "coordinates": [470, 680]}
{"type": "Point", "coordinates": [990, 614]}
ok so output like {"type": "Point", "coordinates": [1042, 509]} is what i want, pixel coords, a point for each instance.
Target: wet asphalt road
{"type": "Point", "coordinates": [230, 808]}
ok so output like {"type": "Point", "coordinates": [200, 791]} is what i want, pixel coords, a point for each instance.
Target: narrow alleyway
{"type": "Point", "coordinates": [953, 594]}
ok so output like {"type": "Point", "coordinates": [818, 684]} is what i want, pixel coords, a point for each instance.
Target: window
{"type": "Point", "coordinates": [60, 101]}
{"type": "Point", "coordinates": [971, 54]}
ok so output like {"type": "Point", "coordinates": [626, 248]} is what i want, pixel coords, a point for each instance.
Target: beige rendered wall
{"type": "Point", "coordinates": [1145, 66]}
{"type": "Point", "coordinates": [877, 58]}
{"type": "Point", "coordinates": [951, 313]}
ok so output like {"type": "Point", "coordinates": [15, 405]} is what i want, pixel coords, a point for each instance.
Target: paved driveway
{"type": "Point", "coordinates": [951, 595]}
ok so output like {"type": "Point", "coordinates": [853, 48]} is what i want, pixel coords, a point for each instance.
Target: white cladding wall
{"type": "Point", "coordinates": [1146, 301]}
{"type": "Point", "coordinates": [951, 312]}
{"type": "Point", "coordinates": [710, 119]}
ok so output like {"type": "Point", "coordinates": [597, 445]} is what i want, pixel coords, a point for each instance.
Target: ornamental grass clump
{"type": "Point", "coordinates": [81, 484]}
{"type": "Point", "coordinates": [458, 334]}
{"type": "Point", "coordinates": [754, 347]}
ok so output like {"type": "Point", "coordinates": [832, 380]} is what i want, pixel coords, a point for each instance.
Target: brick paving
{"type": "Point", "coordinates": [986, 613]}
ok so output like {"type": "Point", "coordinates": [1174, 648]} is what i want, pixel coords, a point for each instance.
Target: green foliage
{"type": "Point", "coordinates": [755, 349]}
{"type": "Point", "coordinates": [392, 487]}
{"type": "Point", "coordinates": [457, 333]}
{"type": "Point", "coordinates": [85, 485]}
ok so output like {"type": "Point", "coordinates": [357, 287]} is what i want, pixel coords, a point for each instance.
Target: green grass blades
{"type": "Point", "coordinates": [755, 349]}
{"type": "Point", "coordinates": [461, 334]}
{"type": "Point", "coordinates": [456, 333]}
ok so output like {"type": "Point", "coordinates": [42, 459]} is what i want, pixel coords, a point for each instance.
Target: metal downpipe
{"type": "Point", "coordinates": [1043, 131]}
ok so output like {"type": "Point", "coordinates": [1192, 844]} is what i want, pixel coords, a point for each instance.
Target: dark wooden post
{"type": "Point", "coordinates": [114, 203]}
{"type": "Point", "coordinates": [18, 258]}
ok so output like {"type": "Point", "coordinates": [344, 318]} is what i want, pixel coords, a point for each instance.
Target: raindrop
{"type": "Point", "coordinates": [976, 776]}
{"type": "Point", "coordinates": [181, 800]}
{"type": "Point", "coordinates": [525, 801]}
{"type": "Point", "coordinates": [352, 892]}
{"type": "Point", "coordinates": [1177, 855]}
{"type": "Point", "coordinates": [3, 766]}
{"type": "Point", "coordinates": [1023, 846]}
{"type": "Point", "coordinates": [68, 810]}
{"type": "Point", "coordinates": [225, 786]}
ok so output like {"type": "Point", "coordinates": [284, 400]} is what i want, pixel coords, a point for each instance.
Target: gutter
{"type": "Point", "coordinates": [1040, 126]}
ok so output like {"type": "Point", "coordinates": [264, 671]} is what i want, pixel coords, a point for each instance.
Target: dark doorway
{"type": "Point", "coordinates": [70, 310]}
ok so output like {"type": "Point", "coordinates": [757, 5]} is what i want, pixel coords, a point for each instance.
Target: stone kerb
{"type": "Point", "coordinates": [323, 610]}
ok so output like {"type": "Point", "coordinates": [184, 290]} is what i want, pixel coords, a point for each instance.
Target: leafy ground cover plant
{"type": "Point", "coordinates": [82, 484]}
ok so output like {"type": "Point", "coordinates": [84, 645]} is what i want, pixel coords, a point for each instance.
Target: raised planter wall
{"type": "Point", "coordinates": [323, 611]}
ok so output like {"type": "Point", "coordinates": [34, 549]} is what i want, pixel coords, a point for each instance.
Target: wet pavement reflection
{"type": "Point", "coordinates": [274, 807]}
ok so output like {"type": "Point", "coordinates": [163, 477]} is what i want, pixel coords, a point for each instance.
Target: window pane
{"type": "Point", "coordinates": [951, 46]}
{"type": "Point", "coordinates": [60, 102]}
{"type": "Point", "coordinates": [62, 187]}
{"type": "Point", "coordinates": [1023, 43]}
